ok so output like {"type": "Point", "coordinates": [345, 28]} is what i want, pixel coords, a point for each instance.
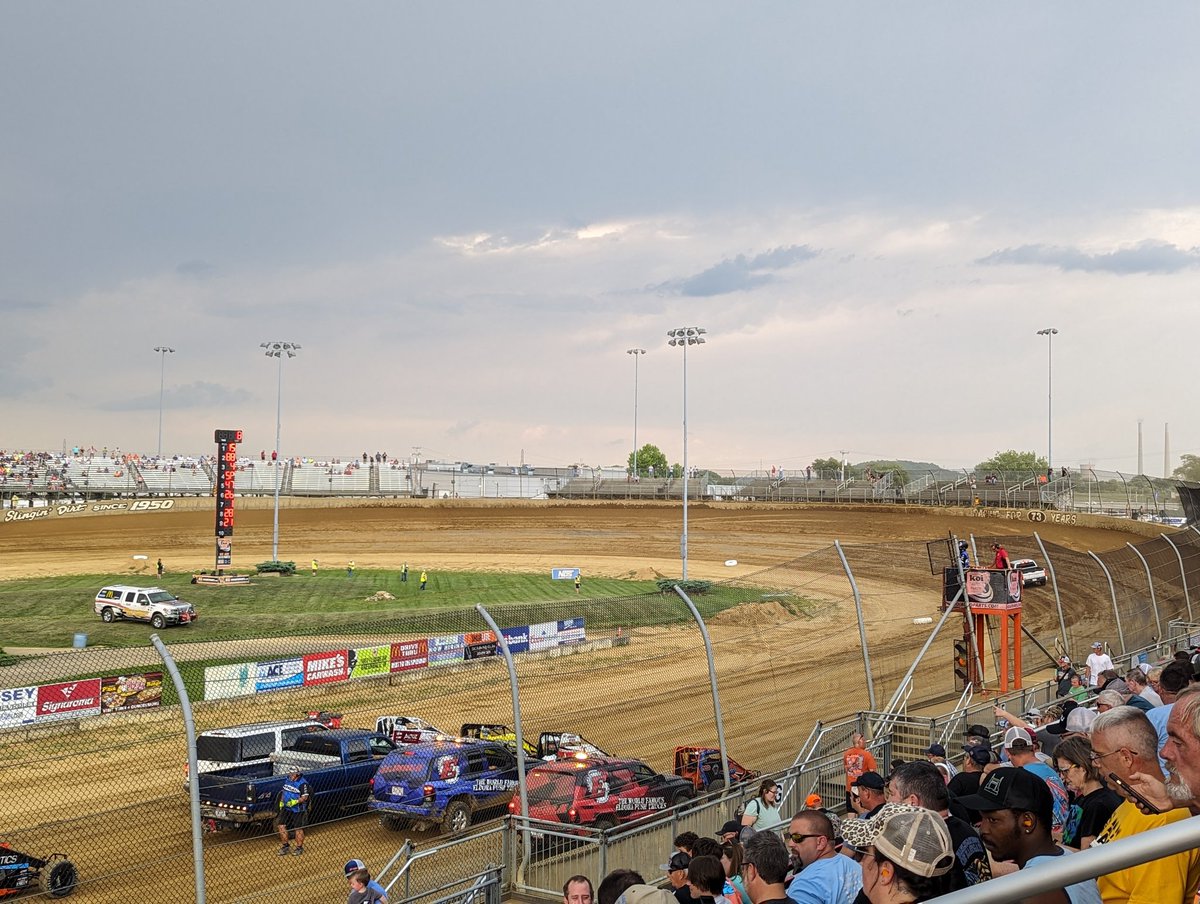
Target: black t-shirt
{"type": "Point", "coordinates": [683, 894]}
{"type": "Point", "coordinates": [971, 864]}
{"type": "Point", "coordinates": [1097, 807]}
{"type": "Point", "coordinates": [962, 784]}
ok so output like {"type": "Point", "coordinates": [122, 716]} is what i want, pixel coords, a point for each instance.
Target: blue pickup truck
{"type": "Point", "coordinates": [443, 782]}
{"type": "Point", "coordinates": [338, 765]}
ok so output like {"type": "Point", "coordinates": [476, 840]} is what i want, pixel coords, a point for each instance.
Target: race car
{"type": "Point", "coordinates": [407, 729]}
{"type": "Point", "coordinates": [19, 872]}
{"type": "Point", "coordinates": [702, 766]}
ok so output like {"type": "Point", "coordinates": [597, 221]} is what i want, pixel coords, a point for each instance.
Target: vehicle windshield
{"type": "Point", "coordinates": [162, 596]}
{"type": "Point", "coordinates": [550, 785]}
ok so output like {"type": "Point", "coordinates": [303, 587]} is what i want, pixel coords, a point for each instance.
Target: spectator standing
{"type": "Point", "coordinates": [424, 579]}
{"type": "Point", "coordinates": [823, 875]}
{"type": "Point", "coordinates": [578, 579]}
{"type": "Point", "coordinates": [967, 781]}
{"type": "Point", "coordinates": [1093, 803]}
{"type": "Point", "coordinates": [919, 785]}
{"type": "Point", "coordinates": [855, 761]}
{"type": "Point", "coordinates": [1097, 662]}
{"type": "Point", "coordinates": [1124, 743]}
{"type": "Point", "coordinates": [160, 568]}
{"type": "Point", "coordinates": [353, 866]}
{"type": "Point", "coordinates": [762, 812]}
{"type": "Point", "coordinates": [404, 573]}
{"type": "Point", "coordinates": [764, 866]}
{"type": "Point", "coordinates": [936, 754]}
{"type": "Point", "coordinates": [578, 890]}
{"type": "Point", "coordinates": [1019, 745]}
{"type": "Point", "coordinates": [906, 854]}
{"type": "Point", "coordinates": [1017, 812]}
{"type": "Point", "coordinates": [1001, 560]}
{"type": "Point", "coordinates": [867, 794]}
{"type": "Point", "coordinates": [293, 812]}
{"type": "Point", "coordinates": [676, 869]}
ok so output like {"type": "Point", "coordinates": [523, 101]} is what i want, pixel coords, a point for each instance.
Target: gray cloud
{"type": "Point", "coordinates": [196, 395]}
{"type": "Point", "coordinates": [738, 274]}
{"type": "Point", "coordinates": [1149, 256]}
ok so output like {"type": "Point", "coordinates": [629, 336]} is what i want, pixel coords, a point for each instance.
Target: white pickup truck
{"type": "Point", "coordinates": [148, 604]}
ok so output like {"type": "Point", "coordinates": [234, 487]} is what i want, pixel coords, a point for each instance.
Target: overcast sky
{"type": "Point", "coordinates": [465, 213]}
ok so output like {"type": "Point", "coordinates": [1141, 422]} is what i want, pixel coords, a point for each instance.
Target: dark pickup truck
{"type": "Point", "coordinates": [339, 766]}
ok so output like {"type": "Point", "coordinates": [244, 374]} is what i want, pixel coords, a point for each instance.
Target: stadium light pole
{"type": "Point", "coordinates": [637, 353]}
{"type": "Point", "coordinates": [278, 350]}
{"type": "Point", "coordinates": [1049, 333]}
{"type": "Point", "coordinates": [163, 351]}
{"type": "Point", "coordinates": [682, 337]}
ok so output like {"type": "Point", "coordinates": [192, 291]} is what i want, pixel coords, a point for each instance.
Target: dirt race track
{"type": "Point", "coordinates": [116, 807]}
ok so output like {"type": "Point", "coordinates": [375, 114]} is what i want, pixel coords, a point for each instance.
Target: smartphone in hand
{"type": "Point", "coordinates": [1146, 806]}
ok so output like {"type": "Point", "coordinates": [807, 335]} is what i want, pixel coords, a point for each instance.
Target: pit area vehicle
{"type": "Point", "coordinates": [1032, 574]}
{"type": "Point", "coordinates": [120, 602]}
{"type": "Point", "coordinates": [600, 792]}
{"type": "Point", "coordinates": [443, 782]}
{"type": "Point", "coordinates": [551, 745]}
{"type": "Point", "coordinates": [248, 745]}
{"type": "Point", "coordinates": [702, 767]}
{"type": "Point", "coordinates": [338, 765]}
{"type": "Point", "coordinates": [53, 874]}
{"type": "Point", "coordinates": [407, 729]}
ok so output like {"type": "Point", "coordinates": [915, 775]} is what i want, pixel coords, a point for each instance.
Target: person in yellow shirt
{"type": "Point", "coordinates": [1124, 742]}
{"type": "Point", "coordinates": [424, 579]}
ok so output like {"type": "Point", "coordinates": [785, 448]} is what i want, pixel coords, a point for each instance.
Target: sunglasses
{"type": "Point", "coordinates": [798, 837]}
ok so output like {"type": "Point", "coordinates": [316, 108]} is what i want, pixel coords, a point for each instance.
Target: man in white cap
{"type": "Point", "coordinates": [1097, 662]}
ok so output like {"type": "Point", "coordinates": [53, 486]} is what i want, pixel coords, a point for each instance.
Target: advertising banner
{"type": "Point", "coordinates": [237, 679]}
{"type": "Point", "coordinates": [480, 644]}
{"type": "Point", "coordinates": [368, 661]}
{"type": "Point", "coordinates": [517, 638]}
{"type": "Point", "coordinates": [571, 631]}
{"type": "Point", "coordinates": [410, 654]}
{"type": "Point", "coordinates": [18, 706]}
{"type": "Point", "coordinates": [446, 648]}
{"type": "Point", "coordinates": [124, 692]}
{"type": "Point", "coordinates": [69, 699]}
{"type": "Point", "coordinates": [543, 636]}
{"type": "Point", "coordinates": [563, 574]}
{"type": "Point", "coordinates": [281, 673]}
{"type": "Point", "coordinates": [325, 668]}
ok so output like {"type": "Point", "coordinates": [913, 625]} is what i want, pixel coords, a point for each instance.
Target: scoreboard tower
{"type": "Point", "coordinates": [227, 443]}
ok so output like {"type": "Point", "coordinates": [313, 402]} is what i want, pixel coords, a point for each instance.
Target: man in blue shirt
{"type": "Point", "coordinates": [825, 876]}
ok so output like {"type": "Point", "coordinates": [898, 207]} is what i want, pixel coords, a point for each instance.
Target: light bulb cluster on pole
{"type": "Point", "coordinates": [163, 351]}
{"type": "Point", "coordinates": [637, 353]}
{"type": "Point", "coordinates": [682, 337]}
{"type": "Point", "coordinates": [278, 350]}
{"type": "Point", "coordinates": [1049, 333]}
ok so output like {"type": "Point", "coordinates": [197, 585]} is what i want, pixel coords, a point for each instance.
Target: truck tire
{"type": "Point", "coordinates": [717, 784]}
{"type": "Point", "coordinates": [60, 880]}
{"type": "Point", "coordinates": [391, 823]}
{"type": "Point", "coordinates": [158, 621]}
{"type": "Point", "coordinates": [107, 615]}
{"type": "Point", "coordinates": [457, 817]}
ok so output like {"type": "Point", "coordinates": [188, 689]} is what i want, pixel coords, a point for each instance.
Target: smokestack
{"type": "Point", "coordinates": [1140, 470]}
{"type": "Point", "coordinates": [1166, 450]}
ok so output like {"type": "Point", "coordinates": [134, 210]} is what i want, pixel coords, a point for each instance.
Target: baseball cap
{"type": "Point", "coordinates": [980, 754]}
{"type": "Point", "coordinates": [646, 894]}
{"type": "Point", "coordinates": [352, 865]}
{"type": "Point", "coordinates": [731, 825]}
{"type": "Point", "coordinates": [936, 750]}
{"type": "Point", "coordinates": [978, 731]}
{"type": "Point", "coordinates": [813, 802]}
{"type": "Point", "coordinates": [869, 779]}
{"type": "Point", "coordinates": [1097, 645]}
{"type": "Point", "coordinates": [1065, 659]}
{"type": "Point", "coordinates": [679, 860]}
{"type": "Point", "coordinates": [913, 838]}
{"type": "Point", "coordinates": [1033, 714]}
{"type": "Point", "coordinates": [1017, 739]}
{"type": "Point", "coordinates": [1075, 719]}
{"type": "Point", "coordinates": [1010, 788]}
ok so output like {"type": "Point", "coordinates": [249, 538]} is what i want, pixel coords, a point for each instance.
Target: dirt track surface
{"type": "Point", "coordinates": [110, 798]}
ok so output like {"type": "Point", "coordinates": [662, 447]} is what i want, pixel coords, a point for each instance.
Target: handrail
{"type": "Point", "coordinates": [964, 701]}
{"type": "Point", "coordinates": [403, 872]}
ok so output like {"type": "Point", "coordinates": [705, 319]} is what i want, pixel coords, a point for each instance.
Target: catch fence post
{"type": "Point", "coordinates": [862, 628]}
{"type": "Point", "coordinates": [1187, 597]}
{"type": "Point", "coordinates": [1112, 590]}
{"type": "Point", "coordinates": [516, 705]}
{"type": "Point", "coordinates": [712, 679]}
{"type": "Point", "coordinates": [189, 724]}
{"type": "Point", "coordinates": [1062, 622]}
{"type": "Point", "coordinates": [1153, 597]}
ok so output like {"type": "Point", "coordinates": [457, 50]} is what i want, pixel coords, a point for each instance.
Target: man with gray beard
{"type": "Point", "coordinates": [1182, 756]}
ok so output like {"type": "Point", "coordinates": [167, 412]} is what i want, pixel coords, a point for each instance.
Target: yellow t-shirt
{"type": "Point", "coordinates": [1172, 878]}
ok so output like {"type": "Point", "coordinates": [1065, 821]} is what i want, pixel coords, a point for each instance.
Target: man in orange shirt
{"type": "Point", "coordinates": [857, 760]}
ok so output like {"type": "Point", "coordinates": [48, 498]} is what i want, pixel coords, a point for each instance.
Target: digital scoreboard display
{"type": "Point", "coordinates": [227, 456]}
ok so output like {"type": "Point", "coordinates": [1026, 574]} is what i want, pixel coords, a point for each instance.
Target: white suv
{"type": "Point", "coordinates": [149, 604]}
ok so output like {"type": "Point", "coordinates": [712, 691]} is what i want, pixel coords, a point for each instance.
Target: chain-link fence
{"type": "Point", "coordinates": [94, 749]}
